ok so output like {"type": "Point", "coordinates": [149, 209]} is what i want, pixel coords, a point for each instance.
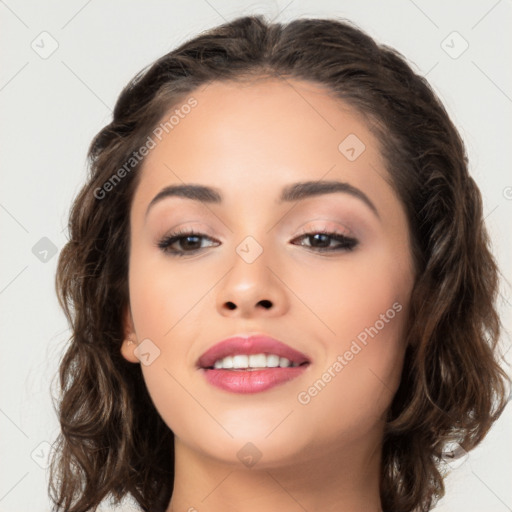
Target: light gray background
{"type": "Point", "coordinates": [53, 106]}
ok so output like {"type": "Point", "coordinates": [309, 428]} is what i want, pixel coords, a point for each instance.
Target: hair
{"type": "Point", "coordinates": [113, 443]}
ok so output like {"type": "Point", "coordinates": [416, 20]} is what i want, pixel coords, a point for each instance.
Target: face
{"type": "Point", "coordinates": [325, 269]}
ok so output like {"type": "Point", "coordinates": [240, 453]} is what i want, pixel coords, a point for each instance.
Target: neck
{"type": "Point", "coordinates": [339, 480]}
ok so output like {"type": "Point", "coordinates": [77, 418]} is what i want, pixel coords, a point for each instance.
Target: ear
{"type": "Point", "coordinates": [130, 338]}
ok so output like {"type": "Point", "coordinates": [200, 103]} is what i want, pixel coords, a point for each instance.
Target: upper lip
{"type": "Point", "coordinates": [247, 345]}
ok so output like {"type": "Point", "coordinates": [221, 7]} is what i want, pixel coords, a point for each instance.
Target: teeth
{"type": "Point", "coordinates": [283, 362]}
{"type": "Point", "coordinates": [240, 361]}
{"type": "Point", "coordinates": [272, 361]}
{"type": "Point", "coordinates": [257, 361]}
{"type": "Point", "coordinates": [225, 363]}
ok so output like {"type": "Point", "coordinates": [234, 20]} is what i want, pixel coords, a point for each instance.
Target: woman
{"type": "Point", "coordinates": [279, 284]}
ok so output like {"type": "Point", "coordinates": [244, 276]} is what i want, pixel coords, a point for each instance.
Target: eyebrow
{"type": "Point", "coordinates": [289, 193]}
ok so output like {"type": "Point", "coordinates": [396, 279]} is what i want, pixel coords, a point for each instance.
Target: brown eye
{"type": "Point", "coordinates": [322, 240]}
{"type": "Point", "coordinates": [184, 242]}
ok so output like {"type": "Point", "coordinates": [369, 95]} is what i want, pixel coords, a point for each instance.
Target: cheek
{"type": "Point", "coordinates": [349, 401]}
{"type": "Point", "coordinates": [349, 395]}
{"type": "Point", "coordinates": [366, 311]}
{"type": "Point", "coordinates": [161, 295]}
{"type": "Point", "coordinates": [351, 295]}
{"type": "Point", "coordinates": [168, 308]}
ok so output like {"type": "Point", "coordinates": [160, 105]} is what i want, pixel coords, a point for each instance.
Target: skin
{"type": "Point", "coordinates": [249, 140]}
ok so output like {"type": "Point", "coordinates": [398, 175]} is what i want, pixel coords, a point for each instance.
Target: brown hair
{"type": "Point", "coordinates": [113, 442]}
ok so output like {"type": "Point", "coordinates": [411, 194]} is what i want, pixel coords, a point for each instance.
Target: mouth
{"type": "Point", "coordinates": [251, 364]}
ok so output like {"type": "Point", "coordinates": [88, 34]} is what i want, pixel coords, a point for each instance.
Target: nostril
{"type": "Point", "coordinates": [266, 303]}
{"type": "Point", "coordinates": [230, 305]}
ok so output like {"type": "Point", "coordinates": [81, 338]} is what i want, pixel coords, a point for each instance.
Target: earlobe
{"type": "Point", "coordinates": [129, 343]}
{"type": "Point", "coordinates": [127, 351]}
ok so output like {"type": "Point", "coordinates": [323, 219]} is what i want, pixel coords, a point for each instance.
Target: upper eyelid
{"type": "Point", "coordinates": [306, 229]}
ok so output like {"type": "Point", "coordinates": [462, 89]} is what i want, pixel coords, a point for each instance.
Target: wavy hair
{"type": "Point", "coordinates": [112, 442]}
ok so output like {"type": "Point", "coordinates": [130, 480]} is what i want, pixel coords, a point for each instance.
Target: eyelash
{"type": "Point", "coordinates": [347, 243]}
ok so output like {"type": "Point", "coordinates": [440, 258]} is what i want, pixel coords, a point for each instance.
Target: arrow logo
{"type": "Point", "coordinates": [44, 250]}
{"type": "Point", "coordinates": [147, 352]}
{"type": "Point", "coordinates": [41, 454]}
{"type": "Point", "coordinates": [351, 147]}
{"type": "Point", "coordinates": [44, 44]}
{"type": "Point", "coordinates": [454, 45]}
{"type": "Point", "coordinates": [243, 249]}
{"type": "Point", "coordinates": [249, 455]}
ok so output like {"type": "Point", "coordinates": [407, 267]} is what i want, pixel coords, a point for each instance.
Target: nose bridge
{"type": "Point", "coordinates": [254, 235]}
{"type": "Point", "coordinates": [251, 285]}
{"type": "Point", "coordinates": [251, 264]}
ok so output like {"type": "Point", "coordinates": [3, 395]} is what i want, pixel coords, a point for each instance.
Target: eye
{"type": "Point", "coordinates": [184, 242]}
{"type": "Point", "coordinates": [181, 243]}
{"type": "Point", "coordinates": [321, 241]}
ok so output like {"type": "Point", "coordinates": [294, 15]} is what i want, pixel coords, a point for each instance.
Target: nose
{"type": "Point", "coordinates": [252, 289]}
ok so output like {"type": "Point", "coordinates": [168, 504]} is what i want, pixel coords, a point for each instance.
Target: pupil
{"type": "Point", "coordinates": [324, 237]}
{"type": "Point", "coordinates": [187, 240]}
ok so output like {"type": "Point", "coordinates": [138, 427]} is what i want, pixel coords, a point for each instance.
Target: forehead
{"type": "Point", "coordinates": [260, 135]}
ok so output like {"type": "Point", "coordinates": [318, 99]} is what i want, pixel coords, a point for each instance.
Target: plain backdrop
{"type": "Point", "coordinates": [63, 65]}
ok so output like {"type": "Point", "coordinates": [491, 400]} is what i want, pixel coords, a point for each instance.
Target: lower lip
{"type": "Point", "coordinates": [252, 381]}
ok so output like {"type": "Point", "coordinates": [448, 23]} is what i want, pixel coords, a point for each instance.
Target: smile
{"type": "Point", "coordinates": [251, 364]}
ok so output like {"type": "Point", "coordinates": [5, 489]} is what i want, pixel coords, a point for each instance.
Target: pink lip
{"type": "Point", "coordinates": [248, 345]}
{"type": "Point", "coordinates": [250, 381]}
